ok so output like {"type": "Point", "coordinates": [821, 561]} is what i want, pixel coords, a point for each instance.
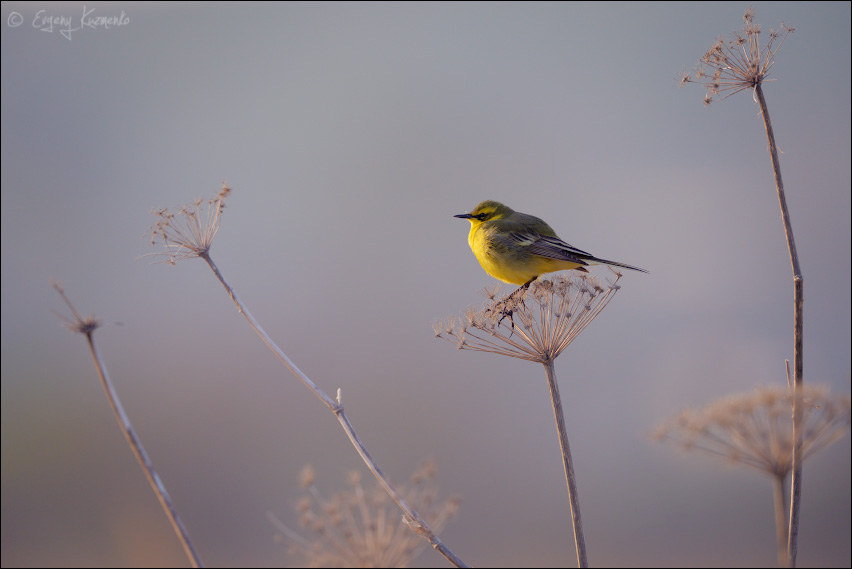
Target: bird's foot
{"type": "Point", "coordinates": [512, 301]}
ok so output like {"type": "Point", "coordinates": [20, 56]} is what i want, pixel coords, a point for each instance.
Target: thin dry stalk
{"type": "Point", "coordinates": [189, 234]}
{"type": "Point", "coordinates": [87, 327]}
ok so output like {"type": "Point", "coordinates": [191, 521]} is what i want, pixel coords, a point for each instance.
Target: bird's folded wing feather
{"type": "Point", "coordinates": [551, 247]}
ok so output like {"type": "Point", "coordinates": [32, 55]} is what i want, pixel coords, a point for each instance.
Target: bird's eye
{"type": "Point", "coordinates": [482, 216]}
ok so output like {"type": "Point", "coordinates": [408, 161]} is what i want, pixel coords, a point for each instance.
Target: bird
{"type": "Point", "coordinates": [517, 248]}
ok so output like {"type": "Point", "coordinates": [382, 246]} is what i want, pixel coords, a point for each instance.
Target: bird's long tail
{"type": "Point", "coordinates": [594, 260]}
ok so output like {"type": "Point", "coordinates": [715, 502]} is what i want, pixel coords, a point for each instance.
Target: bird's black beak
{"type": "Point", "coordinates": [463, 215]}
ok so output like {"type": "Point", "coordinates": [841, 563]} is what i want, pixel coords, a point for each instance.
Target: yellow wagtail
{"type": "Point", "coordinates": [517, 248]}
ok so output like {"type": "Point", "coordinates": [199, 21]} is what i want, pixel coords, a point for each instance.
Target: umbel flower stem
{"type": "Point", "coordinates": [573, 496]}
{"type": "Point", "coordinates": [189, 234]}
{"type": "Point", "coordinates": [87, 327]}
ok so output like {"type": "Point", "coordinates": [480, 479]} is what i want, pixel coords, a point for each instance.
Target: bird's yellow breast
{"type": "Point", "coordinates": [510, 263]}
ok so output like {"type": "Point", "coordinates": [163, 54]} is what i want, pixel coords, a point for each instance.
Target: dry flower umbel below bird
{"type": "Point", "coordinates": [361, 527]}
{"type": "Point", "coordinates": [535, 325]}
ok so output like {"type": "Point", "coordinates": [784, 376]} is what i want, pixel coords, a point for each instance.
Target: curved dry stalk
{"type": "Point", "coordinates": [87, 327]}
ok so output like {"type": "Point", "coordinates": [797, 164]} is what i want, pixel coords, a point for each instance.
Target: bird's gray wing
{"type": "Point", "coordinates": [551, 247]}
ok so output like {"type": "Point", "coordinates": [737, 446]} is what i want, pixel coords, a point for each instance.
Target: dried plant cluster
{"type": "Point", "coordinates": [733, 65]}
{"type": "Point", "coordinates": [534, 324]}
{"type": "Point", "coordinates": [755, 429]}
{"type": "Point", "coordinates": [362, 527]}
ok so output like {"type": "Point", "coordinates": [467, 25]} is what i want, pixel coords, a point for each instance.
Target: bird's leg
{"type": "Point", "coordinates": [508, 312]}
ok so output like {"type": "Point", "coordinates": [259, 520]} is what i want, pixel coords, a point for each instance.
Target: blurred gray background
{"type": "Point", "coordinates": [351, 133]}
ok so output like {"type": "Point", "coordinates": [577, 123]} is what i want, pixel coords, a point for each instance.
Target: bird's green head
{"type": "Point", "coordinates": [487, 210]}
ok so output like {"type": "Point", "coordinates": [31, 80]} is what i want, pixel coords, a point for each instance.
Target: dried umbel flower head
{"type": "Point", "coordinates": [362, 527]}
{"type": "Point", "coordinates": [536, 324]}
{"type": "Point", "coordinates": [189, 232]}
{"type": "Point", "coordinates": [733, 65]}
{"type": "Point", "coordinates": [756, 429]}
